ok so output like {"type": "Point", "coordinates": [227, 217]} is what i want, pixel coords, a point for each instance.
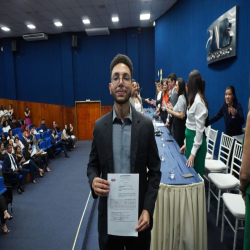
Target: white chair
{"type": "Point", "coordinates": [235, 204]}
{"type": "Point", "coordinates": [221, 165]}
{"type": "Point", "coordinates": [211, 140]}
{"type": "Point", "coordinates": [226, 182]}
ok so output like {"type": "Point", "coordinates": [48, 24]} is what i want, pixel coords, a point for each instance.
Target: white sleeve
{"type": "Point", "coordinates": [200, 117]}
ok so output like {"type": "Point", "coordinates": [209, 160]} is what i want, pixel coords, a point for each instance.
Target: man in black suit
{"type": "Point", "coordinates": [24, 139]}
{"type": "Point", "coordinates": [120, 135]}
{"type": "Point", "coordinates": [12, 166]}
{"type": "Point", "coordinates": [56, 143]}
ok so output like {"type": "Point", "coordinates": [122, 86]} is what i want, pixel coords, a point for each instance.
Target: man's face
{"type": "Point", "coordinates": [24, 133]}
{"type": "Point", "coordinates": [32, 131]}
{"type": "Point", "coordinates": [9, 149]}
{"type": "Point", "coordinates": [43, 122]}
{"type": "Point", "coordinates": [171, 83]}
{"type": "Point", "coordinates": [121, 90]}
{"type": "Point", "coordinates": [54, 123]}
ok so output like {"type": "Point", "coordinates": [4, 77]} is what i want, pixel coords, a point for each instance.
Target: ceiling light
{"type": "Point", "coordinates": [154, 23]}
{"type": "Point", "coordinates": [144, 16]}
{"type": "Point", "coordinates": [86, 21]}
{"type": "Point", "coordinates": [31, 26]}
{"type": "Point", "coordinates": [5, 29]}
{"type": "Point", "coordinates": [58, 24]}
{"type": "Point", "coordinates": [115, 19]}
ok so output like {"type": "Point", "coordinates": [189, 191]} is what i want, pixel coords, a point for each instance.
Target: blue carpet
{"type": "Point", "coordinates": [47, 214]}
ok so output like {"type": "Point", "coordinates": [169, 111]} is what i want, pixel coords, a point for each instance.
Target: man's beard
{"type": "Point", "coordinates": [119, 101]}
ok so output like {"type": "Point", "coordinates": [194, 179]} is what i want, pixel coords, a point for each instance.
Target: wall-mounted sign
{"type": "Point", "coordinates": [221, 43]}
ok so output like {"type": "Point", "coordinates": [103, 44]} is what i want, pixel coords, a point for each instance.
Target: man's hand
{"type": "Point", "coordinates": [101, 187]}
{"type": "Point", "coordinates": [183, 149]}
{"type": "Point", "coordinates": [20, 167]}
{"type": "Point", "coordinates": [143, 222]}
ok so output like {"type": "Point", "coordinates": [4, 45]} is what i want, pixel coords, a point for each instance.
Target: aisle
{"type": "Point", "coordinates": [47, 214]}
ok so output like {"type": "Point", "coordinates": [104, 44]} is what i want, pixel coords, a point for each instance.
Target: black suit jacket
{"type": "Point", "coordinates": [143, 155]}
{"type": "Point", "coordinates": [7, 163]}
{"type": "Point", "coordinates": [24, 142]}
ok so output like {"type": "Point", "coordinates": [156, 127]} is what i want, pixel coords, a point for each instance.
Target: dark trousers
{"type": "Point", "coordinates": [128, 243]}
{"type": "Point", "coordinates": [43, 157]}
{"type": "Point", "coordinates": [61, 144]}
{"type": "Point", "coordinates": [32, 167]}
{"type": "Point", "coordinates": [15, 174]}
{"type": "Point", "coordinates": [70, 142]}
{"type": "Point", "coordinates": [3, 207]}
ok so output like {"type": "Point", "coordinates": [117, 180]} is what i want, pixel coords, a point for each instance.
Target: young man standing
{"type": "Point", "coordinates": [124, 142]}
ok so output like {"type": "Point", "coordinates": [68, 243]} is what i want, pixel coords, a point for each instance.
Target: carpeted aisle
{"type": "Point", "coordinates": [47, 214]}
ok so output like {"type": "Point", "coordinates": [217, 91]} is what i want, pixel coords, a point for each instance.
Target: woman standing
{"type": "Point", "coordinates": [179, 113]}
{"type": "Point", "coordinates": [27, 116]}
{"type": "Point", "coordinates": [232, 112]}
{"type": "Point", "coordinates": [70, 132]}
{"type": "Point", "coordinates": [197, 112]}
{"type": "Point", "coordinates": [164, 98]}
{"type": "Point", "coordinates": [135, 100]}
{"type": "Point", "coordinates": [11, 112]}
{"type": "Point", "coordinates": [245, 182]}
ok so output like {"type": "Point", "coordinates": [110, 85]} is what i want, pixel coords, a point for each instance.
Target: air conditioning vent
{"type": "Point", "coordinates": [97, 31]}
{"type": "Point", "coordinates": [35, 37]}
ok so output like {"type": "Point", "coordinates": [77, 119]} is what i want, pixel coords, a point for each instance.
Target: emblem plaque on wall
{"type": "Point", "coordinates": [222, 35]}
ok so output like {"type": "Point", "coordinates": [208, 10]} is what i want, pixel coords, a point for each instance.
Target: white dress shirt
{"type": "Point", "coordinates": [196, 117]}
{"type": "Point", "coordinates": [6, 129]}
{"type": "Point", "coordinates": [159, 98]}
{"type": "Point", "coordinates": [12, 161]}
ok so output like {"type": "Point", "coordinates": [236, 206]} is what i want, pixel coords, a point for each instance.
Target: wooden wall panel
{"type": "Point", "coordinates": [105, 110]}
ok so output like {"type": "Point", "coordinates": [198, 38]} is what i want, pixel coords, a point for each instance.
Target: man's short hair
{"type": "Point", "coordinates": [121, 59]}
{"type": "Point", "coordinates": [173, 77]}
{"type": "Point", "coordinates": [8, 145]}
{"type": "Point", "coordinates": [156, 80]}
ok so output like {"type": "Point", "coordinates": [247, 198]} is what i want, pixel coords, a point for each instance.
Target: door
{"type": "Point", "coordinates": [87, 113]}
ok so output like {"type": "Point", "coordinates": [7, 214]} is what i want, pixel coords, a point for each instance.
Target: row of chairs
{"type": "Point", "coordinates": [225, 179]}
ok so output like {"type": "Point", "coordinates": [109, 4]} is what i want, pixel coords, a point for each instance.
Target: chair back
{"type": "Point", "coordinates": [45, 134]}
{"type": "Point", "coordinates": [59, 136]}
{"type": "Point", "coordinates": [18, 131]}
{"type": "Point", "coordinates": [207, 130]}
{"type": "Point", "coordinates": [49, 132]}
{"type": "Point", "coordinates": [236, 160]}
{"type": "Point", "coordinates": [211, 141]}
{"type": "Point", "coordinates": [31, 125]}
{"type": "Point", "coordinates": [48, 143]}
{"type": "Point", "coordinates": [38, 137]}
{"type": "Point", "coordinates": [42, 145]}
{"type": "Point", "coordinates": [226, 144]}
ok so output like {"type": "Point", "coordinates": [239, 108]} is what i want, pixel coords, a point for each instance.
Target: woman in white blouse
{"type": "Point", "coordinates": [197, 112]}
{"type": "Point", "coordinates": [17, 142]}
{"type": "Point", "coordinates": [179, 112]}
{"type": "Point", "coordinates": [135, 100]}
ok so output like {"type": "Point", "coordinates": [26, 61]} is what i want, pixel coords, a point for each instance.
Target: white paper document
{"type": "Point", "coordinates": [123, 205]}
{"type": "Point", "coordinates": [159, 124]}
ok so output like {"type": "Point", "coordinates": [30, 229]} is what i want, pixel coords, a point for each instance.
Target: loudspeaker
{"type": "Point", "coordinates": [74, 41]}
{"type": "Point", "coordinates": [14, 46]}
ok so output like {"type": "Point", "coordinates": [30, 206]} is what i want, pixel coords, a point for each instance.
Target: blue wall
{"type": "Point", "coordinates": [180, 47]}
{"type": "Point", "coordinates": [51, 72]}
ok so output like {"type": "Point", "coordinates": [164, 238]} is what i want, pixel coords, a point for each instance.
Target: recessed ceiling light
{"type": "Point", "coordinates": [115, 19]}
{"type": "Point", "coordinates": [144, 16]}
{"type": "Point", "coordinates": [154, 23]}
{"type": "Point", "coordinates": [31, 26]}
{"type": "Point", "coordinates": [58, 24]}
{"type": "Point", "coordinates": [86, 21]}
{"type": "Point", "coordinates": [5, 29]}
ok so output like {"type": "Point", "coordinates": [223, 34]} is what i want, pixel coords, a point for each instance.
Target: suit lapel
{"type": "Point", "coordinates": [134, 139]}
{"type": "Point", "coordinates": [109, 141]}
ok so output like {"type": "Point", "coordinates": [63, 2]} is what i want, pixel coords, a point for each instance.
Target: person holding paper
{"type": "Point", "coordinates": [124, 142]}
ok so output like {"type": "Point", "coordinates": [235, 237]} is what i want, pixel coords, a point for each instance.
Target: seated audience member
{"type": "Point", "coordinates": [35, 131]}
{"type": "Point", "coordinates": [4, 215]}
{"type": "Point", "coordinates": [56, 128]}
{"type": "Point", "coordinates": [179, 113]}
{"type": "Point", "coordinates": [43, 126]}
{"type": "Point", "coordinates": [19, 123]}
{"type": "Point", "coordinates": [41, 154]}
{"type": "Point", "coordinates": [11, 112]}
{"type": "Point", "coordinates": [26, 128]}
{"type": "Point", "coordinates": [6, 126]}
{"type": "Point", "coordinates": [28, 155]}
{"type": "Point", "coordinates": [2, 151]}
{"type": "Point", "coordinates": [70, 132]}
{"type": "Point", "coordinates": [232, 112]}
{"type": "Point", "coordinates": [25, 139]}
{"type": "Point", "coordinates": [30, 165]}
{"type": "Point", "coordinates": [11, 143]}
{"type": "Point", "coordinates": [56, 143]}
{"type": "Point", "coordinates": [11, 165]}
{"type": "Point", "coordinates": [14, 124]}
{"type": "Point", "coordinates": [135, 100]}
{"type": "Point", "coordinates": [11, 136]}
{"type": "Point", "coordinates": [23, 125]}
{"type": "Point", "coordinates": [17, 142]}
{"type": "Point", "coordinates": [4, 139]}
{"type": "Point", "coordinates": [67, 138]}
{"type": "Point", "coordinates": [32, 136]}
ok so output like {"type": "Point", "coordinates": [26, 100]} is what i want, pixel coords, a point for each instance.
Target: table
{"type": "Point", "coordinates": [180, 211]}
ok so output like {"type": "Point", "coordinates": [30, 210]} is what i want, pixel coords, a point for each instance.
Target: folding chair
{"type": "Point", "coordinates": [226, 182]}
{"type": "Point", "coordinates": [235, 204]}
{"type": "Point", "coordinates": [211, 141]}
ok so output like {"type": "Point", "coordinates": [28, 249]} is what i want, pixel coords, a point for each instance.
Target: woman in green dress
{"type": "Point", "coordinates": [245, 182]}
{"type": "Point", "coordinates": [195, 145]}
